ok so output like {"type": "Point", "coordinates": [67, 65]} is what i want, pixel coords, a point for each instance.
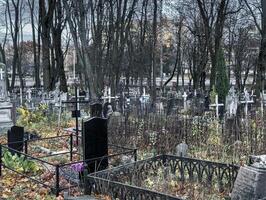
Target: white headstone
{"type": "Point", "coordinates": [181, 149]}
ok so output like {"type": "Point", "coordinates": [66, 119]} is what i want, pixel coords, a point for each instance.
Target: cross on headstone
{"type": "Point", "coordinates": [217, 105]}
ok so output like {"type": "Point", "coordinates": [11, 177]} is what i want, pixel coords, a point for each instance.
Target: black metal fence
{"type": "Point", "coordinates": [127, 181]}
{"type": "Point", "coordinates": [60, 171]}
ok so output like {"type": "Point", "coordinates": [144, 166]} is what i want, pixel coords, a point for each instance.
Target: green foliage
{"type": "Point", "coordinates": [27, 118]}
{"type": "Point", "coordinates": [222, 81]}
{"type": "Point", "coordinates": [213, 95]}
{"type": "Point", "coordinates": [19, 163]}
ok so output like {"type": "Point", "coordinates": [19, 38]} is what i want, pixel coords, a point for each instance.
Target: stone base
{"type": "Point", "coordinates": [250, 184]}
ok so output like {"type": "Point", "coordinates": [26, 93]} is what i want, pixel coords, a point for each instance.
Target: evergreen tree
{"type": "Point", "coordinates": [222, 81]}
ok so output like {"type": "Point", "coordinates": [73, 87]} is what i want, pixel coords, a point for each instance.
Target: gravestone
{"type": "Point", "coordinates": [181, 149]}
{"type": "Point", "coordinates": [107, 110]}
{"type": "Point", "coordinates": [250, 184]}
{"type": "Point", "coordinates": [95, 139]}
{"type": "Point", "coordinates": [3, 90]}
{"type": "Point", "coordinates": [15, 138]}
{"type": "Point", "coordinates": [5, 116]}
{"type": "Point", "coordinates": [232, 101]}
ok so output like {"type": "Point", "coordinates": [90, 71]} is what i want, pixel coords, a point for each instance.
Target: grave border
{"type": "Point", "coordinates": [105, 182]}
{"type": "Point", "coordinates": [55, 187]}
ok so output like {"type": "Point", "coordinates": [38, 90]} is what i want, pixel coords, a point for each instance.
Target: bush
{"type": "Point", "coordinates": [27, 117]}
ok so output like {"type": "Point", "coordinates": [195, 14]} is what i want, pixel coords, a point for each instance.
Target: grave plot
{"type": "Point", "coordinates": [57, 165]}
{"type": "Point", "coordinates": [165, 177]}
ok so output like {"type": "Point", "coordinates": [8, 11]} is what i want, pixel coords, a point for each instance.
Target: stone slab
{"type": "Point", "coordinates": [250, 184]}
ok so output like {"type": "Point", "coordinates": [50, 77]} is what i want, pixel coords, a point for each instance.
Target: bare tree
{"type": "Point", "coordinates": [46, 13]}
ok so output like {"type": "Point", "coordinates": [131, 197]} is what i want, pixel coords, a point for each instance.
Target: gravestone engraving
{"type": "Point", "coordinates": [15, 137]}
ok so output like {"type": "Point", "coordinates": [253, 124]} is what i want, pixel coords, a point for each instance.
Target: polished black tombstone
{"type": "Point", "coordinates": [95, 143]}
{"type": "Point", "coordinates": [15, 138]}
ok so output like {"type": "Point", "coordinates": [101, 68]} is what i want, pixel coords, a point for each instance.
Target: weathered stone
{"type": "Point", "coordinates": [250, 184]}
{"type": "Point", "coordinates": [258, 161]}
{"type": "Point", "coordinates": [181, 149]}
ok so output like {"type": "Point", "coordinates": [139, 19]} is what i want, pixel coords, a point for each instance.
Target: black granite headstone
{"type": "Point", "coordinates": [15, 137]}
{"type": "Point", "coordinates": [95, 143]}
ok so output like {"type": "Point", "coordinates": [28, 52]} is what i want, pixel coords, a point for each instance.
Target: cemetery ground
{"type": "Point", "coordinates": [153, 134]}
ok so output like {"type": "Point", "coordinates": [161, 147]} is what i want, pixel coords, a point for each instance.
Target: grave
{"type": "Point", "coordinates": [251, 180]}
{"type": "Point", "coordinates": [95, 140]}
{"type": "Point", "coordinates": [129, 181]}
{"type": "Point", "coordinates": [181, 149]}
{"type": "Point", "coordinates": [231, 103]}
{"type": "Point", "coordinates": [15, 138]}
{"type": "Point", "coordinates": [6, 115]}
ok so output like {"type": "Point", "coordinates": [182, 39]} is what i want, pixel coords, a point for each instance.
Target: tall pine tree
{"type": "Point", "coordinates": [222, 81]}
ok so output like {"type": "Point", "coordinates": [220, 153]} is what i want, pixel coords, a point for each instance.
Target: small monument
{"type": "Point", "coordinates": [15, 137]}
{"type": "Point", "coordinates": [95, 139]}
{"type": "Point", "coordinates": [251, 180]}
{"type": "Point", "coordinates": [3, 90]}
{"type": "Point", "coordinates": [231, 103]}
{"type": "Point", "coordinates": [181, 149]}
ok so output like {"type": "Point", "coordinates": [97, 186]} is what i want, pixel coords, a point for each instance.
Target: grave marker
{"type": "Point", "coordinates": [185, 100]}
{"type": "Point", "coordinates": [217, 105]}
{"type": "Point", "coordinates": [15, 137]}
{"type": "Point", "coordinates": [95, 140]}
{"type": "Point", "coordinates": [246, 101]}
{"type": "Point", "coordinates": [181, 149]}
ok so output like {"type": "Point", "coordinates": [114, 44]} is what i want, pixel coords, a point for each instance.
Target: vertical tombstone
{"type": "Point", "coordinates": [95, 139]}
{"type": "Point", "coordinates": [15, 138]}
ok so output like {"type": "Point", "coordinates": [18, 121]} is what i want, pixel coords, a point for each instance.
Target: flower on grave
{"type": "Point", "coordinates": [78, 167]}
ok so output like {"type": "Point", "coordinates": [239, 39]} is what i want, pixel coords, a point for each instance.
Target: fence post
{"type": "Point", "coordinates": [135, 155]}
{"type": "Point", "coordinates": [71, 147]}
{"type": "Point", "coordinates": [14, 113]}
{"type": "Point", "coordinates": [26, 146]}
{"type": "Point", "coordinates": [57, 180]}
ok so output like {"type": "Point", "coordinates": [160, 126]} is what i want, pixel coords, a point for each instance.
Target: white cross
{"type": "Point", "coordinates": [29, 94]}
{"type": "Point", "coordinates": [21, 96]}
{"type": "Point", "coordinates": [109, 93]}
{"type": "Point", "coordinates": [185, 100]}
{"type": "Point", "coordinates": [262, 102]}
{"type": "Point", "coordinates": [1, 74]}
{"type": "Point", "coordinates": [246, 102]}
{"type": "Point", "coordinates": [217, 105]}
